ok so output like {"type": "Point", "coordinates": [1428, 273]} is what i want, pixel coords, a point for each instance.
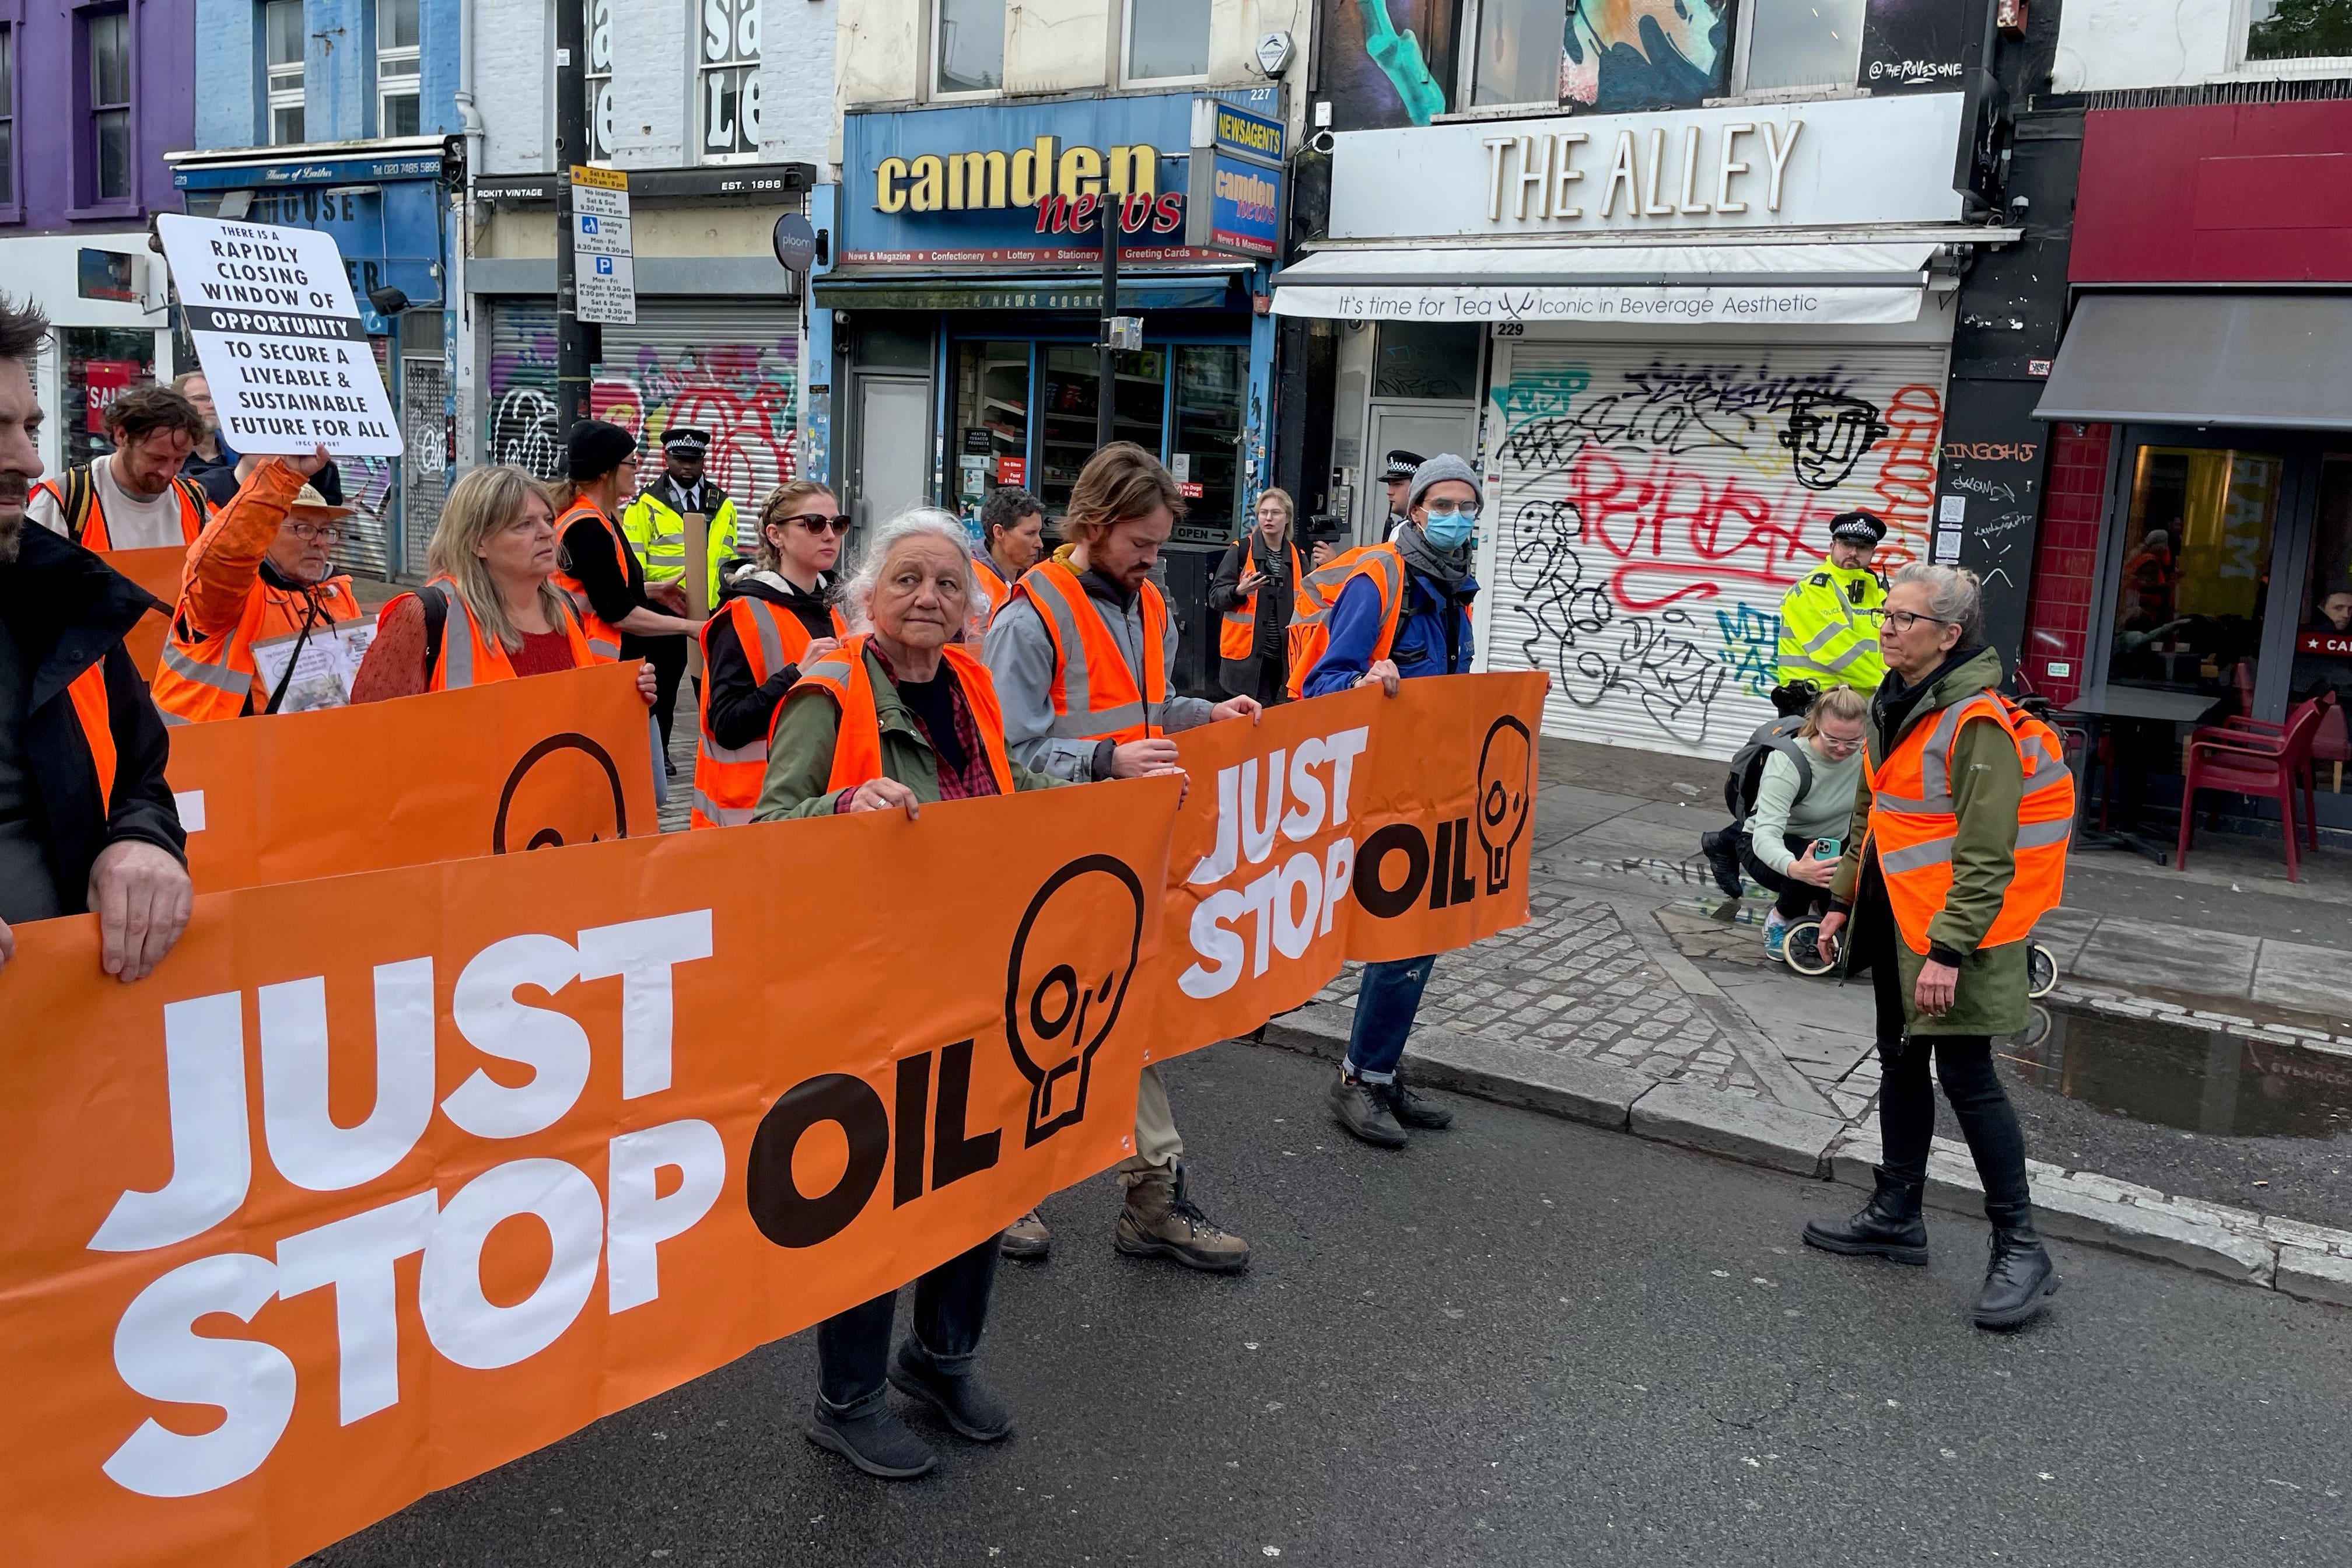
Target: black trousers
{"type": "Point", "coordinates": [1906, 1102]}
{"type": "Point", "coordinates": [1798, 901]}
{"type": "Point", "coordinates": [667, 656]}
{"type": "Point", "coordinates": [852, 1348]}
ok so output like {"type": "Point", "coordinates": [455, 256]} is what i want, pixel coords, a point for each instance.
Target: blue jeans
{"type": "Point", "coordinates": [1386, 1000]}
{"type": "Point", "coordinates": [852, 1348]}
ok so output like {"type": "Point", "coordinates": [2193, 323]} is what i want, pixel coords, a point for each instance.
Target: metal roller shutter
{"type": "Point", "coordinates": [729, 367]}
{"type": "Point", "coordinates": [1656, 502]}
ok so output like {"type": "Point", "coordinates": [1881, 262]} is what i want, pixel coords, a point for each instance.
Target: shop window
{"type": "Point", "coordinates": [284, 43]}
{"type": "Point", "coordinates": [2298, 29]}
{"type": "Point", "coordinates": [598, 31]}
{"type": "Point", "coordinates": [2195, 568]}
{"type": "Point", "coordinates": [7, 115]}
{"type": "Point", "coordinates": [992, 420]}
{"type": "Point", "coordinates": [1428, 360]}
{"type": "Point", "coordinates": [889, 342]}
{"type": "Point", "coordinates": [1205, 449]}
{"type": "Point", "coordinates": [2323, 645]}
{"type": "Point", "coordinates": [100, 364]}
{"type": "Point", "coordinates": [968, 46]}
{"type": "Point", "coordinates": [1067, 403]}
{"type": "Point", "coordinates": [1517, 57]}
{"type": "Point", "coordinates": [397, 67]}
{"type": "Point", "coordinates": [729, 98]}
{"type": "Point", "coordinates": [1803, 43]}
{"type": "Point", "coordinates": [1167, 40]}
{"type": "Point", "coordinates": [107, 43]}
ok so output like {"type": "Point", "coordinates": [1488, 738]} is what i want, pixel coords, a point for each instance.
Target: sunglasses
{"type": "Point", "coordinates": [814, 523]}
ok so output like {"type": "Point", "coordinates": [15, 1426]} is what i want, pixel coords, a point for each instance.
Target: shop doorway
{"type": "Point", "coordinates": [894, 421]}
{"type": "Point", "coordinates": [1411, 427]}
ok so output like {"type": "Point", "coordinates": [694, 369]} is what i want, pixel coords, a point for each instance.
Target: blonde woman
{"type": "Point", "coordinates": [1799, 810]}
{"type": "Point", "coordinates": [491, 610]}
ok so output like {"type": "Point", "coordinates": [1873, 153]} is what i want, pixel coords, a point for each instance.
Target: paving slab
{"type": "Point", "coordinates": [2063, 932]}
{"type": "Point", "coordinates": [1757, 1132]}
{"type": "Point", "coordinates": [2304, 978]}
{"type": "Point", "coordinates": [1629, 834]}
{"type": "Point", "coordinates": [2144, 955]}
{"type": "Point", "coordinates": [2314, 1276]}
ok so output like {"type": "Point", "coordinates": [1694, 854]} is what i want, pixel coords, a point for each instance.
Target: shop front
{"type": "Point", "coordinates": [716, 345]}
{"type": "Point", "coordinates": [1680, 342]}
{"type": "Point", "coordinates": [388, 204]}
{"type": "Point", "coordinates": [966, 294]}
{"type": "Point", "coordinates": [107, 298]}
{"type": "Point", "coordinates": [2201, 405]}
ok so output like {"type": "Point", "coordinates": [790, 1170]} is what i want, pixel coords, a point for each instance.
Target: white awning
{"type": "Point", "coordinates": [1666, 285]}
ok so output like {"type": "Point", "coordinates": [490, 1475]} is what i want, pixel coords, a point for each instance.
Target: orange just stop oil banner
{"type": "Point", "coordinates": [380, 1182]}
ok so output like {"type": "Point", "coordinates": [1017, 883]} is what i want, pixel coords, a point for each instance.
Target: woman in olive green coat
{"type": "Point", "coordinates": [910, 595]}
{"type": "Point", "coordinates": [1952, 999]}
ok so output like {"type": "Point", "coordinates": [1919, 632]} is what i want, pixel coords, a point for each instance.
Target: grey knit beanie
{"type": "Point", "coordinates": [1444, 466]}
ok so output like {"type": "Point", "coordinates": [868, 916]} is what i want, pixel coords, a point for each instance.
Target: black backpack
{"type": "Point", "coordinates": [1748, 765]}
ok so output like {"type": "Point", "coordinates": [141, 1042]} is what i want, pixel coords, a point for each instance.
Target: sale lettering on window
{"type": "Point", "coordinates": [729, 79]}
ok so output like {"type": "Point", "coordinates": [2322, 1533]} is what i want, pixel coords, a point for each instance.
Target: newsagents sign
{"type": "Point", "coordinates": [1842, 163]}
{"type": "Point", "coordinates": [1235, 201]}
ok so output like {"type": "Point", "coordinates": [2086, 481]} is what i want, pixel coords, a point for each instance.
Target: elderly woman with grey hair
{"type": "Point", "coordinates": [1958, 847]}
{"type": "Point", "coordinates": [897, 717]}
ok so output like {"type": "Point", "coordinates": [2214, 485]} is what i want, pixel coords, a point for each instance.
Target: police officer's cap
{"type": "Point", "coordinates": [1401, 467]}
{"type": "Point", "coordinates": [1858, 528]}
{"type": "Point", "coordinates": [686, 441]}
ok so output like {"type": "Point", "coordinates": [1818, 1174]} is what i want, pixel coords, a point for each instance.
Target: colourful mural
{"type": "Point", "coordinates": [1624, 54]}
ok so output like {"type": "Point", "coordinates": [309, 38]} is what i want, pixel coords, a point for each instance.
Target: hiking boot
{"type": "Point", "coordinates": [1411, 1110]}
{"type": "Point", "coordinates": [1721, 848]}
{"type": "Point", "coordinates": [960, 1401]}
{"type": "Point", "coordinates": [1886, 1226]}
{"type": "Point", "coordinates": [1026, 1238]}
{"type": "Point", "coordinates": [1363, 1109]}
{"type": "Point", "coordinates": [2020, 1279]}
{"type": "Point", "coordinates": [873, 1438]}
{"type": "Point", "coordinates": [1776, 937]}
{"type": "Point", "coordinates": [1160, 1221]}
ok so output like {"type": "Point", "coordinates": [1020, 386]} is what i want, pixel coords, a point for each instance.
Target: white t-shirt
{"type": "Point", "coordinates": [131, 523]}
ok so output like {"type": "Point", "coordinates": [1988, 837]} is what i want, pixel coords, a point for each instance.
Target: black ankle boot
{"type": "Point", "coordinates": [1888, 1226]}
{"type": "Point", "coordinates": [2020, 1279]}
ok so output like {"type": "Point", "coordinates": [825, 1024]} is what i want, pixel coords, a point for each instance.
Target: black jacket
{"type": "Point", "coordinates": [1269, 634]}
{"type": "Point", "coordinates": [67, 610]}
{"type": "Point", "coordinates": [740, 706]}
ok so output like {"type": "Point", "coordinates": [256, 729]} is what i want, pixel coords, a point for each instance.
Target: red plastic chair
{"type": "Point", "coordinates": [2250, 757]}
{"type": "Point", "coordinates": [2332, 744]}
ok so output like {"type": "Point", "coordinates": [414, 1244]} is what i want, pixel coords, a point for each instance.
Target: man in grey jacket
{"type": "Point", "coordinates": [1083, 701]}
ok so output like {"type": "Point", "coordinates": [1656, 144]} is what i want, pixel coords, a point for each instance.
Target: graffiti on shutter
{"type": "Point", "coordinates": [1656, 501]}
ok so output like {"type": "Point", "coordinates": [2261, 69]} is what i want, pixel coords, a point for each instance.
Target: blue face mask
{"type": "Point", "coordinates": [1447, 529]}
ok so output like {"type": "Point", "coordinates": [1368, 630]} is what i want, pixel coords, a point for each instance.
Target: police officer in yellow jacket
{"type": "Point", "coordinates": [1828, 621]}
{"type": "Point", "coordinates": [656, 520]}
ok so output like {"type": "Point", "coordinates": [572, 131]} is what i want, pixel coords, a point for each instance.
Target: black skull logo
{"type": "Point", "coordinates": [1072, 959]}
{"type": "Point", "coordinates": [1505, 786]}
{"type": "Point", "coordinates": [566, 790]}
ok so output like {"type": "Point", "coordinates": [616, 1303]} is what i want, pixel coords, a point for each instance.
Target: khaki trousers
{"type": "Point", "coordinates": [1157, 1144]}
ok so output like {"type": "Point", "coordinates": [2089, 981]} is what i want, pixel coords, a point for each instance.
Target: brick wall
{"type": "Point", "coordinates": [2058, 616]}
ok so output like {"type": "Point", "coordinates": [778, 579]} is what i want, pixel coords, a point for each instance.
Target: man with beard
{"type": "Point", "coordinates": [87, 823]}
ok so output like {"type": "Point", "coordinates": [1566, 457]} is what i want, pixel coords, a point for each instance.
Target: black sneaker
{"type": "Point", "coordinates": [1721, 848]}
{"type": "Point", "coordinates": [1412, 1110]}
{"type": "Point", "coordinates": [876, 1441]}
{"type": "Point", "coordinates": [1363, 1109]}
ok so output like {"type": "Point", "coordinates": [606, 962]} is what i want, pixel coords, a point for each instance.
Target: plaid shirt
{"type": "Point", "coordinates": [973, 778]}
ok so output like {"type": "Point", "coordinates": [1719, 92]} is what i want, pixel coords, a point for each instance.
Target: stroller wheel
{"type": "Point", "coordinates": [2040, 971]}
{"type": "Point", "coordinates": [1802, 950]}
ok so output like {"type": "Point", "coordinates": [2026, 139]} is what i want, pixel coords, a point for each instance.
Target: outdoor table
{"type": "Point", "coordinates": [2129, 709]}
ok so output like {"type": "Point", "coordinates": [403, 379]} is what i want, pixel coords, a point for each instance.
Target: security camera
{"type": "Point", "coordinates": [2019, 204]}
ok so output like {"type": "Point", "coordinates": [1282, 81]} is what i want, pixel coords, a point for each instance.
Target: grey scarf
{"type": "Point", "coordinates": [1447, 567]}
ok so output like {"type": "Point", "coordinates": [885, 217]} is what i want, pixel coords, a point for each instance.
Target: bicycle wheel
{"type": "Point", "coordinates": [1802, 950]}
{"type": "Point", "coordinates": [2040, 971]}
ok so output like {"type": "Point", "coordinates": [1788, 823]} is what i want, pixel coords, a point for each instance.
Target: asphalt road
{"type": "Point", "coordinates": [1520, 1341]}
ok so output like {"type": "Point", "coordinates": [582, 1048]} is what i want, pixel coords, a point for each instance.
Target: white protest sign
{"type": "Point", "coordinates": [279, 337]}
{"type": "Point", "coordinates": [604, 268]}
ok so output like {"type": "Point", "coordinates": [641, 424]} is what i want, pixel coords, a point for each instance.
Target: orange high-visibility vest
{"type": "Point", "coordinates": [1914, 826]}
{"type": "Point", "coordinates": [727, 779]}
{"type": "Point", "coordinates": [597, 627]}
{"type": "Point", "coordinates": [84, 515]}
{"type": "Point", "coordinates": [857, 745]}
{"type": "Point", "coordinates": [1237, 636]}
{"type": "Point", "coordinates": [466, 657]}
{"type": "Point", "coordinates": [203, 678]}
{"type": "Point", "coordinates": [88, 691]}
{"type": "Point", "coordinates": [1310, 632]}
{"type": "Point", "coordinates": [1096, 696]}
{"type": "Point", "coordinates": [993, 584]}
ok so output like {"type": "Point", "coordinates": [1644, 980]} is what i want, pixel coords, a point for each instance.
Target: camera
{"type": "Point", "coordinates": [1326, 528]}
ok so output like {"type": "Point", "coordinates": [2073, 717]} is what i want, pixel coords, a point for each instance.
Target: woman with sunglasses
{"type": "Point", "coordinates": [777, 618]}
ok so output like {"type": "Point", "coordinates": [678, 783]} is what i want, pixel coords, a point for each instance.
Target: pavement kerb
{"type": "Point", "coordinates": [2311, 1262]}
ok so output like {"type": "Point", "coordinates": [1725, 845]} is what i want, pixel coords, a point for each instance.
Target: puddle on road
{"type": "Point", "coordinates": [2208, 1081]}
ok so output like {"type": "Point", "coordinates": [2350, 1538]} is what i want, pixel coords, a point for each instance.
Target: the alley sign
{"type": "Point", "coordinates": [279, 335]}
{"type": "Point", "coordinates": [604, 264]}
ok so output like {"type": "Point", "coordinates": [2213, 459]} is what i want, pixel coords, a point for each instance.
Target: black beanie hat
{"type": "Point", "coordinates": [594, 449]}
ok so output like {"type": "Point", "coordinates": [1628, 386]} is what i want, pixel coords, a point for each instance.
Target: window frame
{"type": "Point", "coordinates": [2244, 63]}
{"type": "Point", "coordinates": [275, 98]}
{"type": "Point", "coordinates": [932, 91]}
{"type": "Point", "coordinates": [1127, 77]}
{"type": "Point", "coordinates": [412, 84]}
{"type": "Point", "coordinates": [1465, 76]}
{"type": "Point", "coordinates": [12, 209]}
{"type": "Point", "coordinates": [1743, 93]}
{"type": "Point", "coordinates": [86, 200]}
{"type": "Point", "coordinates": [704, 70]}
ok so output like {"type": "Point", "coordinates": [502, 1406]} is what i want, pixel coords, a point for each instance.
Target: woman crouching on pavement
{"type": "Point", "coordinates": [1967, 806]}
{"type": "Point", "coordinates": [490, 610]}
{"type": "Point", "coordinates": [898, 716]}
